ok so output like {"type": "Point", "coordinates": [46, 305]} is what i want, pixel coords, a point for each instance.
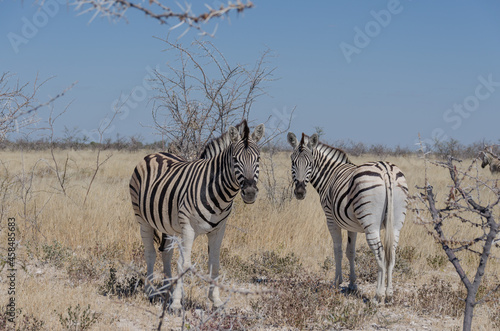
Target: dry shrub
{"type": "Point", "coordinates": [490, 293]}
{"type": "Point", "coordinates": [367, 268]}
{"type": "Point", "coordinates": [260, 267]}
{"type": "Point", "coordinates": [54, 254]}
{"type": "Point", "coordinates": [81, 269]}
{"type": "Point", "coordinates": [494, 313]}
{"type": "Point", "coordinates": [23, 322]}
{"type": "Point", "coordinates": [352, 314]}
{"type": "Point", "coordinates": [77, 319]}
{"type": "Point", "coordinates": [405, 257]}
{"type": "Point", "coordinates": [365, 265]}
{"type": "Point", "coordinates": [122, 284]}
{"type": "Point", "coordinates": [438, 298]}
{"type": "Point", "coordinates": [295, 302]}
{"type": "Point", "coordinates": [298, 298]}
{"type": "Point", "coordinates": [307, 301]}
{"type": "Point", "coordinates": [436, 261]}
{"type": "Point", "coordinates": [231, 319]}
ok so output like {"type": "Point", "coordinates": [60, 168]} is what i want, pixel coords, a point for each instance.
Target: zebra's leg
{"type": "Point", "coordinates": [147, 235]}
{"type": "Point", "coordinates": [375, 244]}
{"type": "Point", "coordinates": [398, 224]}
{"type": "Point", "coordinates": [390, 268]}
{"type": "Point", "coordinates": [183, 264]}
{"type": "Point", "coordinates": [214, 244]}
{"type": "Point", "coordinates": [166, 255]}
{"type": "Point", "coordinates": [351, 254]}
{"type": "Point", "coordinates": [336, 234]}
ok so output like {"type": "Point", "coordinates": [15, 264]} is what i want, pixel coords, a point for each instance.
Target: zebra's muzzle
{"type": "Point", "coordinates": [300, 190]}
{"type": "Point", "coordinates": [249, 191]}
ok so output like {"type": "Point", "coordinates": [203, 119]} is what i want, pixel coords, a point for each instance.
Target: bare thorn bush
{"type": "Point", "coordinates": [202, 94]}
{"type": "Point", "coordinates": [470, 202]}
{"type": "Point", "coordinates": [19, 103]}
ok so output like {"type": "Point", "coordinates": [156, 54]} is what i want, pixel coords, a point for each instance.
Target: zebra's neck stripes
{"type": "Point", "coordinates": [327, 161]}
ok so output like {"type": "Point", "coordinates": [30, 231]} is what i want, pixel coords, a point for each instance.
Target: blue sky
{"type": "Point", "coordinates": [378, 72]}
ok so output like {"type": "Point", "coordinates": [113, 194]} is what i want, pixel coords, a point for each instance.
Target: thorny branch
{"type": "Point", "coordinates": [156, 9]}
{"type": "Point", "coordinates": [193, 270]}
{"type": "Point", "coordinates": [202, 94]}
{"type": "Point", "coordinates": [280, 128]}
{"type": "Point", "coordinates": [460, 200]}
{"type": "Point", "coordinates": [99, 163]}
{"type": "Point", "coordinates": [19, 104]}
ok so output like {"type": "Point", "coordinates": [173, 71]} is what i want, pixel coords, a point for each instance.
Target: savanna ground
{"type": "Point", "coordinates": [80, 266]}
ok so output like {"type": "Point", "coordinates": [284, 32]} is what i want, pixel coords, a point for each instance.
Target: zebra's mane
{"type": "Point", "coordinates": [219, 144]}
{"type": "Point", "coordinates": [327, 150]}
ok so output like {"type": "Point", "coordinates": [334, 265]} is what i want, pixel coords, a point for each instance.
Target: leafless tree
{"type": "Point", "coordinates": [202, 94]}
{"type": "Point", "coordinates": [161, 11]}
{"type": "Point", "coordinates": [19, 103]}
{"type": "Point", "coordinates": [464, 206]}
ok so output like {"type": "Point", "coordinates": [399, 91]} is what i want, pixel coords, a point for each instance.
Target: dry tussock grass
{"type": "Point", "coordinates": [72, 255]}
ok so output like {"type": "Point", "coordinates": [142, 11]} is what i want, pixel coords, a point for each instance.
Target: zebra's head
{"type": "Point", "coordinates": [484, 159]}
{"type": "Point", "coordinates": [486, 156]}
{"type": "Point", "coordinates": [302, 161]}
{"type": "Point", "coordinates": [245, 158]}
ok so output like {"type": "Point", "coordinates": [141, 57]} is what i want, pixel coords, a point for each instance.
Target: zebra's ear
{"type": "Point", "coordinates": [292, 140]}
{"type": "Point", "coordinates": [313, 141]}
{"type": "Point", "coordinates": [234, 134]}
{"type": "Point", "coordinates": [258, 133]}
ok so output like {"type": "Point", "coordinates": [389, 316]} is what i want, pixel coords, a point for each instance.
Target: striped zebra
{"type": "Point", "coordinates": [173, 196]}
{"type": "Point", "coordinates": [487, 157]}
{"type": "Point", "coordinates": [364, 198]}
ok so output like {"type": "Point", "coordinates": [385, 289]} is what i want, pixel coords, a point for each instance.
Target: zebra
{"type": "Point", "coordinates": [173, 196]}
{"type": "Point", "coordinates": [364, 198]}
{"type": "Point", "coordinates": [487, 157]}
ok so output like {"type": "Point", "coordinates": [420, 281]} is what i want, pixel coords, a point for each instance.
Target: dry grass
{"type": "Point", "coordinates": [71, 254]}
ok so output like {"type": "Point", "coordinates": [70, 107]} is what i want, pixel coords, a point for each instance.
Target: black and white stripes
{"type": "Point", "coordinates": [487, 157]}
{"type": "Point", "coordinates": [173, 196]}
{"type": "Point", "coordinates": [364, 198]}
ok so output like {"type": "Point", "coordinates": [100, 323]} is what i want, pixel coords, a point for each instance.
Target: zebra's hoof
{"type": "Point", "coordinates": [175, 306]}
{"type": "Point", "coordinates": [218, 303]}
{"type": "Point", "coordinates": [378, 299]}
{"type": "Point", "coordinates": [352, 288]}
{"type": "Point", "coordinates": [155, 297]}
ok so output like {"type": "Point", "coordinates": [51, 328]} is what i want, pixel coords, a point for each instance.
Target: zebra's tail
{"type": "Point", "coordinates": [389, 219]}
